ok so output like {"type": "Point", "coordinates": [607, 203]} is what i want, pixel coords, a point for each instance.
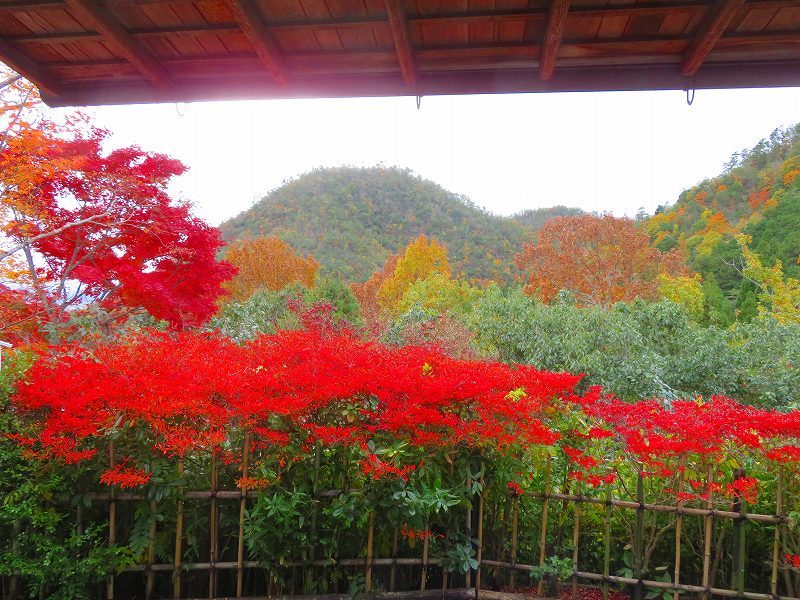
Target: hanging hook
{"type": "Point", "coordinates": [419, 101]}
{"type": "Point", "coordinates": [180, 112]}
{"type": "Point", "coordinates": [690, 97]}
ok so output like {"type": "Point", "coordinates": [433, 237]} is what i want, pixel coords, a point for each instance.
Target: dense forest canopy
{"type": "Point", "coordinates": [757, 194]}
{"type": "Point", "coordinates": [351, 219]}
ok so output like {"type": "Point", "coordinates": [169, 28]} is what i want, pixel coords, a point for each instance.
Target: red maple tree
{"type": "Point", "coordinates": [81, 226]}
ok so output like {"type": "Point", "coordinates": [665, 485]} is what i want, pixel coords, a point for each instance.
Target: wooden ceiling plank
{"type": "Point", "coordinates": [23, 65]}
{"type": "Point", "coordinates": [711, 29]}
{"type": "Point", "coordinates": [98, 17]}
{"type": "Point", "coordinates": [398, 23]}
{"type": "Point", "coordinates": [252, 24]}
{"type": "Point", "coordinates": [556, 21]}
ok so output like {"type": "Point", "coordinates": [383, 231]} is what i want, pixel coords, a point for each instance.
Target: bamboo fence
{"type": "Point", "coordinates": [473, 580]}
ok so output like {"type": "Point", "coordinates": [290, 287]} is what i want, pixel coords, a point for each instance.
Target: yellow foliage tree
{"type": "Point", "coordinates": [422, 258]}
{"type": "Point", "coordinates": [779, 296]}
{"type": "Point", "coordinates": [684, 290]}
{"type": "Point", "coordinates": [439, 293]}
{"type": "Point", "coordinates": [267, 263]}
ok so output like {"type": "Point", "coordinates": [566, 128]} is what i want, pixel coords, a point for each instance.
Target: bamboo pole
{"type": "Point", "coordinates": [425, 545]}
{"type": "Point", "coordinates": [393, 571]}
{"type": "Point", "coordinates": [309, 571]}
{"type": "Point", "coordinates": [708, 529]}
{"type": "Point", "coordinates": [479, 556]}
{"type": "Point", "coordinates": [678, 532]}
{"type": "Point", "coordinates": [638, 540]}
{"type": "Point", "coordinates": [738, 553]}
{"type": "Point", "coordinates": [468, 527]}
{"type": "Point", "coordinates": [176, 574]}
{"type": "Point", "coordinates": [776, 545]}
{"type": "Point", "coordinates": [543, 536]}
{"type": "Point", "coordinates": [212, 529]}
{"type": "Point", "coordinates": [514, 538]}
{"type": "Point", "coordinates": [370, 539]}
{"type": "Point", "coordinates": [576, 525]}
{"type": "Point", "coordinates": [685, 510]}
{"type": "Point", "coordinates": [112, 521]}
{"type": "Point", "coordinates": [242, 510]}
{"type": "Point", "coordinates": [151, 551]}
{"type": "Point", "coordinates": [607, 541]}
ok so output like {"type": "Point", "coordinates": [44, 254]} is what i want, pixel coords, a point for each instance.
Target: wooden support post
{"type": "Point", "coordinates": [468, 529]}
{"type": "Point", "coordinates": [425, 545]}
{"type": "Point", "coordinates": [151, 551]}
{"type": "Point", "coordinates": [776, 544]}
{"type": "Point", "coordinates": [112, 521]}
{"type": "Point", "coordinates": [370, 539]}
{"type": "Point", "coordinates": [13, 582]}
{"type": "Point", "coordinates": [212, 529]}
{"type": "Point", "coordinates": [479, 556]}
{"type": "Point", "coordinates": [708, 530]}
{"type": "Point", "coordinates": [607, 541]}
{"type": "Point", "coordinates": [543, 536]}
{"type": "Point", "coordinates": [638, 535]}
{"type": "Point", "coordinates": [514, 540]}
{"type": "Point", "coordinates": [176, 573]}
{"type": "Point", "coordinates": [738, 552]}
{"type": "Point", "coordinates": [678, 532]}
{"type": "Point", "coordinates": [576, 534]}
{"type": "Point", "coordinates": [309, 572]}
{"type": "Point", "coordinates": [242, 510]}
{"type": "Point", "coordinates": [393, 571]}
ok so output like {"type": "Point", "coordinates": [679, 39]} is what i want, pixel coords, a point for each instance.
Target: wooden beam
{"type": "Point", "coordinates": [250, 20]}
{"type": "Point", "coordinates": [93, 14]}
{"type": "Point", "coordinates": [402, 40]}
{"type": "Point", "coordinates": [556, 20]}
{"type": "Point", "coordinates": [589, 78]}
{"type": "Point", "coordinates": [708, 34]}
{"type": "Point", "coordinates": [32, 71]}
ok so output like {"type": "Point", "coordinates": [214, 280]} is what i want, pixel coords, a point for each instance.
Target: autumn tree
{"type": "Point", "coordinates": [80, 226]}
{"type": "Point", "coordinates": [267, 263]}
{"type": "Point", "coordinates": [685, 290]}
{"type": "Point", "coordinates": [599, 259]}
{"type": "Point", "coordinates": [439, 294]}
{"type": "Point", "coordinates": [422, 257]}
{"type": "Point", "coordinates": [366, 293]}
{"type": "Point", "coordinates": [779, 296]}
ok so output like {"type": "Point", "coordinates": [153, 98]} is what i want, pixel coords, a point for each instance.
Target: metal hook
{"type": "Point", "coordinates": [419, 102]}
{"type": "Point", "coordinates": [690, 99]}
{"type": "Point", "coordinates": [178, 110]}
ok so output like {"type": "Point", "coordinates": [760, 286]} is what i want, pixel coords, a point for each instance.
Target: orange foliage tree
{"type": "Point", "coordinates": [367, 293]}
{"type": "Point", "coordinates": [267, 263]}
{"type": "Point", "coordinates": [599, 259]}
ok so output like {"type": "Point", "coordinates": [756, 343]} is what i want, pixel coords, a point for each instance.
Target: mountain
{"type": "Point", "coordinates": [758, 194]}
{"type": "Point", "coordinates": [351, 219]}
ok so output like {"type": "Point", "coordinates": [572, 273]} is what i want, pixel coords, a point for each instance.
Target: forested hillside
{"type": "Point", "coordinates": [351, 219]}
{"type": "Point", "coordinates": [757, 194]}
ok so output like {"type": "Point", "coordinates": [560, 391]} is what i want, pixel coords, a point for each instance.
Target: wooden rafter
{"type": "Point", "coordinates": [249, 19]}
{"type": "Point", "coordinates": [24, 66]}
{"type": "Point", "coordinates": [710, 31]}
{"type": "Point", "coordinates": [402, 40]}
{"type": "Point", "coordinates": [114, 34]}
{"type": "Point", "coordinates": [556, 20]}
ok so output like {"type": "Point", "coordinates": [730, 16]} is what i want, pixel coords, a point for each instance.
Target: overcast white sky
{"type": "Point", "coordinates": [598, 151]}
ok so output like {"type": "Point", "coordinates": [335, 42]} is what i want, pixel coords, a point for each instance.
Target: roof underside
{"type": "Point", "coordinates": [125, 51]}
